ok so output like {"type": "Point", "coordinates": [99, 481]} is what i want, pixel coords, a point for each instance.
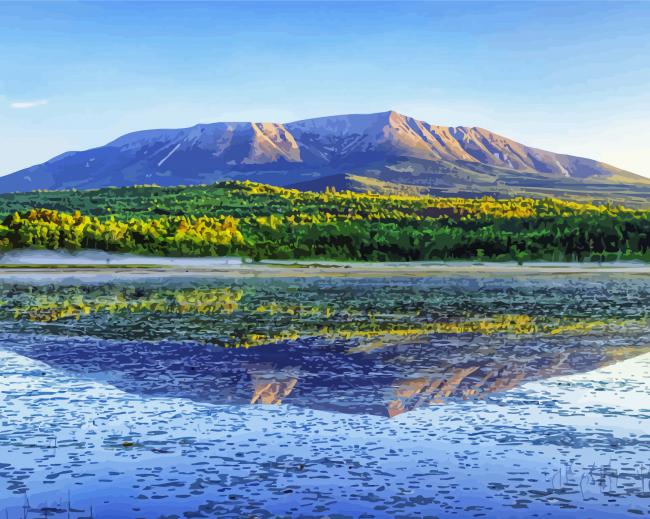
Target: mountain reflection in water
{"type": "Point", "coordinates": [359, 346]}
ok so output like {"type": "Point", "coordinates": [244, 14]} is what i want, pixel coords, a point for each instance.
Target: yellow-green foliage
{"type": "Point", "coordinates": [261, 221]}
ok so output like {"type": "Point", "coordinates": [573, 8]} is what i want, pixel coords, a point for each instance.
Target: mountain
{"type": "Point", "coordinates": [384, 152]}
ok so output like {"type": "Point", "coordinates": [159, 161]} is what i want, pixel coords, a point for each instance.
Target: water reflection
{"type": "Point", "coordinates": [380, 347]}
{"type": "Point", "coordinates": [323, 375]}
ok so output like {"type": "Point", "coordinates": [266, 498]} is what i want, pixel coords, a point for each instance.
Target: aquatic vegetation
{"type": "Point", "coordinates": [49, 307]}
{"type": "Point", "coordinates": [253, 318]}
{"type": "Point", "coordinates": [420, 383]}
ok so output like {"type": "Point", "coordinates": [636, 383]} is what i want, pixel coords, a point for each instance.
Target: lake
{"type": "Point", "coordinates": [432, 396]}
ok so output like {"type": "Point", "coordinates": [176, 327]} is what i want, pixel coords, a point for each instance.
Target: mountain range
{"type": "Point", "coordinates": [383, 152]}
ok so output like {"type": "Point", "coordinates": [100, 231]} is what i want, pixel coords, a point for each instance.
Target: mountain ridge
{"type": "Point", "coordinates": [383, 147]}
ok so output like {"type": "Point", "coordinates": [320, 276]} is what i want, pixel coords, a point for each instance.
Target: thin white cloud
{"type": "Point", "coordinates": [22, 105]}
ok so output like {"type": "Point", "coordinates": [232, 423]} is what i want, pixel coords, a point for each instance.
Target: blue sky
{"type": "Point", "coordinates": [569, 77]}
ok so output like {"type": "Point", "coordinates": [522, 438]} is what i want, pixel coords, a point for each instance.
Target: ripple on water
{"type": "Point", "coordinates": [506, 398]}
{"type": "Point", "coordinates": [183, 459]}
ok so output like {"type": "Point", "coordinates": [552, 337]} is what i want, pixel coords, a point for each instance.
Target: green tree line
{"type": "Point", "coordinates": [265, 222]}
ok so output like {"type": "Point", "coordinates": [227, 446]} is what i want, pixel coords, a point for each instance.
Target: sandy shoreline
{"type": "Point", "coordinates": [47, 263]}
{"type": "Point", "coordinates": [318, 270]}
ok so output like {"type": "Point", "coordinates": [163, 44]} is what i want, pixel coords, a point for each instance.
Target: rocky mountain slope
{"type": "Point", "coordinates": [386, 152]}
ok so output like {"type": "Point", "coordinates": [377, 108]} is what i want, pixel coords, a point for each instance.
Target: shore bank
{"type": "Point", "coordinates": [317, 269]}
{"type": "Point", "coordinates": [94, 262]}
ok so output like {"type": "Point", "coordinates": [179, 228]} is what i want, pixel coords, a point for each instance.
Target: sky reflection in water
{"type": "Point", "coordinates": [346, 356]}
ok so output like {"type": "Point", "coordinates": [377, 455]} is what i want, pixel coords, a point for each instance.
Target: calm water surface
{"type": "Point", "coordinates": [340, 397]}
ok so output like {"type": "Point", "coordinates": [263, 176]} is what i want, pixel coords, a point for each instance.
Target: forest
{"type": "Point", "coordinates": [258, 221]}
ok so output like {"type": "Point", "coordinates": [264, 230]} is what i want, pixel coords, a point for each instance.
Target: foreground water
{"type": "Point", "coordinates": [457, 396]}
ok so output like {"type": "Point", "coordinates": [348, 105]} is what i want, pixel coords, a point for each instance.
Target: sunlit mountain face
{"type": "Point", "coordinates": [381, 152]}
{"type": "Point", "coordinates": [360, 346]}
